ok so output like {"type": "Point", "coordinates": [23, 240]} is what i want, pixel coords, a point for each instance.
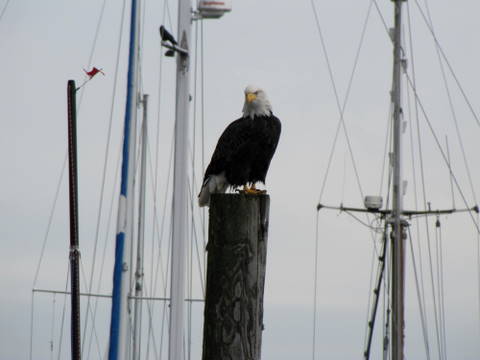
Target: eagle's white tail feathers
{"type": "Point", "coordinates": [213, 184]}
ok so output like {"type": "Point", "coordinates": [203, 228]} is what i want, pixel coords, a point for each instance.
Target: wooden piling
{"type": "Point", "coordinates": [237, 251]}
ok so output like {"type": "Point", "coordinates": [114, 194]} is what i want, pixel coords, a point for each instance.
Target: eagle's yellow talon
{"type": "Point", "coordinates": [252, 190]}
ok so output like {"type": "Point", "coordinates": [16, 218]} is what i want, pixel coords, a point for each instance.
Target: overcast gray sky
{"type": "Point", "coordinates": [276, 45]}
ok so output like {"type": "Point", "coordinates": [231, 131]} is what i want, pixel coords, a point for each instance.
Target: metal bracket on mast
{"type": "Point", "coordinates": [407, 213]}
{"type": "Point", "coordinates": [168, 41]}
{"type": "Point", "coordinates": [174, 49]}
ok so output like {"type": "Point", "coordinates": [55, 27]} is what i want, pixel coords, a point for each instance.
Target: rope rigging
{"type": "Point", "coordinates": [421, 288]}
{"type": "Point", "coordinates": [341, 123]}
{"type": "Point", "coordinates": [106, 158]}
{"type": "Point", "coordinates": [435, 256]}
{"type": "Point", "coordinates": [341, 107]}
{"type": "Point", "coordinates": [447, 62]}
{"type": "Point", "coordinates": [376, 292]}
{"type": "Point", "coordinates": [4, 9]}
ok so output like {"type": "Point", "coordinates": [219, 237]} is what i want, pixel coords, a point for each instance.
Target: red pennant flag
{"type": "Point", "coordinates": [93, 72]}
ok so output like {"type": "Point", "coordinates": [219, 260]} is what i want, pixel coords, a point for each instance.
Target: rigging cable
{"type": "Point", "coordinates": [315, 285]}
{"type": "Point", "coordinates": [165, 313]}
{"type": "Point", "coordinates": [457, 81]}
{"type": "Point", "coordinates": [160, 229]}
{"type": "Point", "coordinates": [89, 311]}
{"type": "Point", "coordinates": [106, 158]}
{"type": "Point", "coordinates": [478, 267]}
{"type": "Point", "coordinates": [192, 191]}
{"type": "Point", "coordinates": [415, 186]}
{"type": "Point", "coordinates": [376, 292]}
{"type": "Point", "coordinates": [452, 110]}
{"type": "Point", "coordinates": [108, 235]}
{"type": "Point", "coordinates": [155, 227]}
{"type": "Point", "coordinates": [155, 222]}
{"type": "Point", "coordinates": [202, 84]}
{"type": "Point", "coordinates": [387, 307]}
{"type": "Point", "coordinates": [450, 172]}
{"type": "Point", "coordinates": [388, 141]}
{"type": "Point", "coordinates": [341, 108]}
{"type": "Point", "coordinates": [442, 152]}
{"type": "Point", "coordinates": [440, 287]}
{"type": "Point", "coordinates": [49, 223]}
{"type": "Point", "coordinates": [418, 285]}
{"type": "Point", "coordinates": [422, 173]}
{"type": "Point", "coordinates": [382, 18]}
{"type": "Point", "coordinates": [52, 327]}
{"type": "Point", "coordinates": [64, 311]}
{"type": "Point", "coordinates": [4, 9]}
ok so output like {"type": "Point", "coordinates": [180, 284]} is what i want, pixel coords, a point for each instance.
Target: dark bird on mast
{"type": "Point", "coordinates": [244, 150]}
{"type": "Point", "coordinates": [166, 36]}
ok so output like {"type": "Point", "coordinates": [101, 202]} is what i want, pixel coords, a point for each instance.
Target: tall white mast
{"type": "Point", "coordinates": [137, 321]}
{"type": "Point", "coordinates": [398, 249]}
{"type": "Point", "coordinates": [119, 339]}
{"type": "Point", "coordinates": [180, 224]}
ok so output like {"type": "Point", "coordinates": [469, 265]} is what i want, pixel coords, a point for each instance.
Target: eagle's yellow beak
{"type": "Point", "coordinates": [251, 97]}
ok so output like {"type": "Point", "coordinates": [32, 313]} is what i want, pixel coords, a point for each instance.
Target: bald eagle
{"type": "Point", "coordinates": [244, 150]}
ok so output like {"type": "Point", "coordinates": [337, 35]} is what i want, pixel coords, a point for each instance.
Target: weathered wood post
{"type": "Point", "coordinates": [237, 252]}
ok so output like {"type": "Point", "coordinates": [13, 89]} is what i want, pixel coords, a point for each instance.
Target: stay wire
{"type": "Point", "coordinates": [4, 9]}
{"type": "Point", "coordinates": [450, 171]}
{"type": "Point", "coordinates": [105, 163]}
{"type": "Point", "coordinates": [50, 220]}
{"type": "Point", "coordinates": [422, 172]}
{"type": "Point", "coordinates": [155, 182]}
{"type": "Point", "coordinates": [440, 148]}
{"type": "Point", "coordinates": [447, 62]}
{"type": "Point", "coordinates": [452, 109]}
{"type": "Point", "coordinates": [151, 333]}
{"type": "Point", "coordinates": [315, 286]}
{"type": "Point", "coordinates": [108, 235]}
{"type": "Point", "coordinates": [191, 191]}
{"type": "Point", "coordinates": [420, 299]}
{"type": "Point", "coordinates": [52, 327]}
{"type": "Point", "coordinates": [64, 161]}
{"type": "Point", "coordinates": [439, 292]}
{"type": "Point", "coordinates": [158, 229]}
{"type": "Point", "coordinates": [415, 186]}
{"type": "Point", "coordinates": [341, 108]}
{"type": "Point", "coordinates": [197, 247]}
{"type": "Point", "coordinates": [89, 311]}
{"type": "Point", "coordinates": [372, 314]}
{"type": "Point", "coordinates": [478, 271]}
{"type": "Point", "coordinates": [32, 316]}
{"type": "Point", "coordinates": [442, 288]}
{"type": "Point", "coordinates": [64, 312]}
{"type": "Point", "coordinates": [203, 87]}
{"type": "Point", "coordinates": [388, 144]}
{"type": "Point", "coordinates": [92, 51]}
{"type": "Point", "coordinates": [382, 18]}
{"type": "Point", "coordinates": [165, 313]}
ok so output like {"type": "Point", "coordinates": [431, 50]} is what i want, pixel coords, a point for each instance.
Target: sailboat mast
{"type": "Point", "coordinates": [398, 249]}
{"type": "Point", "coordinates": [180, 187]}
{"type": "Point", "coordinates": [74, 245]}
{"type": "Point", "coordinates": [137, 321]}
{"type": "Point", "coordinates": [123, 247]}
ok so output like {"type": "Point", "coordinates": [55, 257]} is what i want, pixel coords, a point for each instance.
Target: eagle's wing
{"type": "Point", "coordinates": [233, 139]}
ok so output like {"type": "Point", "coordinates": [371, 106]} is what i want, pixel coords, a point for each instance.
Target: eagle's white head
{"type": "Point", "coordinates": [256, 102]}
